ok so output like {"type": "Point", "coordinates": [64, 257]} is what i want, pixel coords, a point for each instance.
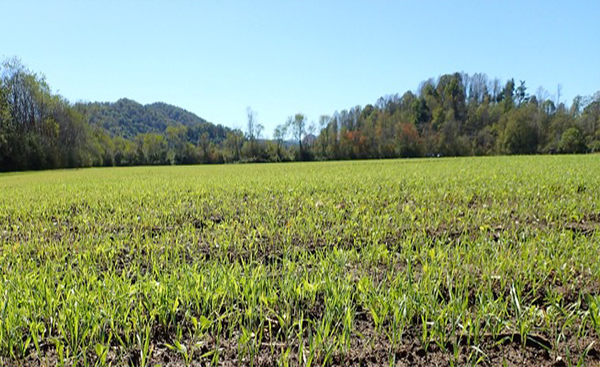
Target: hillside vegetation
{"type": "Point", "coordinates": [128, 119]}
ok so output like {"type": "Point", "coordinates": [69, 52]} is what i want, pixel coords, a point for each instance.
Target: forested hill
{"type": "Point", "coordinates": [127, 119]}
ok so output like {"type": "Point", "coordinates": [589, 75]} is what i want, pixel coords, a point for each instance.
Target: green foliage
{"type": "Point", "coordinates": [468, 258]}
{"type": "Point", "coordinates": [37, 128]}
{"type": "Point", "coordinates": [455, 115]}
{"type": "Point", "coordinates": [520, 134]}
{"type": "Point", "coordinates": [572, 141]}
{"type": "Point", "coordinates": [128, 119]}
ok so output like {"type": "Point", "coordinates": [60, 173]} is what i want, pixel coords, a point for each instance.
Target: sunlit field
{"type": "Point", "coordinates": [451, 261]}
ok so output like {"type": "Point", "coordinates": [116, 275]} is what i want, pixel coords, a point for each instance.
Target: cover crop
{"type": "Point", "coordinates": [436, 261]}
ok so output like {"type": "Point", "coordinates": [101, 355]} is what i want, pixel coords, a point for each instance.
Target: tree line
{"type": "Point", "coordinates": [454, 115]}
{"type": "Point", "coordinates": [459, 115]}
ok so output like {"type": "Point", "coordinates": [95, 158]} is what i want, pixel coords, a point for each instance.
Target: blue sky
{"type": "Point", "coordinates": [214, 58]}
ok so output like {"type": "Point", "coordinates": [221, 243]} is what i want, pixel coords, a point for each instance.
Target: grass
{"type": "Point", "coordinates": [450, 261]}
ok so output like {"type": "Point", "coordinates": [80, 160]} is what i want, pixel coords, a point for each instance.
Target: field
{"type": "Point", "coordinates": [491, 261]}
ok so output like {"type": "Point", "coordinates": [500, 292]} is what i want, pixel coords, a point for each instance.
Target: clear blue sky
{"type": "Point", "coordinates": [214, 58]}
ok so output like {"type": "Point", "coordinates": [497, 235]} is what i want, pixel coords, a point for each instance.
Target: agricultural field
{"type": "Point", "coordinates": [454, 261]}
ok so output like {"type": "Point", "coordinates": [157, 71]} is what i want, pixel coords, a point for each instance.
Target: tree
{"type": "Point", "coordinates": [151, 149]}
{"type": "Point", "coordinates": [204, 145]}
{"type": "Point", "coordinates": [177, 143]}
{"type": "Point", "coordinates": [420, 111]}
{"type": "Point", "coordinates": [558, 94]}
{"type": "Point", "coordinates": [572, 141]}
{"type": "Point", "coordinates": [521, 94]}
{"type": "Point", "coordinates": [251, 121]}
{"type": "Point", "coordinates": [589, 120]}
{"type": "Point", "coordinates": [124, 152]}
{"type": "Point", "coordinates": [324, 134]}
{"type": "Point", "coordinates": [297, 125]}
{"type": "Point", "coordinates": [520, 135]}
{"type": "Point", "coordinates": [253, 150]}
{"type": "Point", "coordinates": [258, 129]}
{"type": "Point", "coordinates": [408, 140]}
{"type": "Point", "coordinates": [5, 125]}
{"type": "Point", "coordinates": [508, 93]}
{"type": "Point", "coordinates": [279, 135]}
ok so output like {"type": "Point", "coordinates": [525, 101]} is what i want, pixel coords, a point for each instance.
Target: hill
{"type": "Point", "coordinates": [127, 118]}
